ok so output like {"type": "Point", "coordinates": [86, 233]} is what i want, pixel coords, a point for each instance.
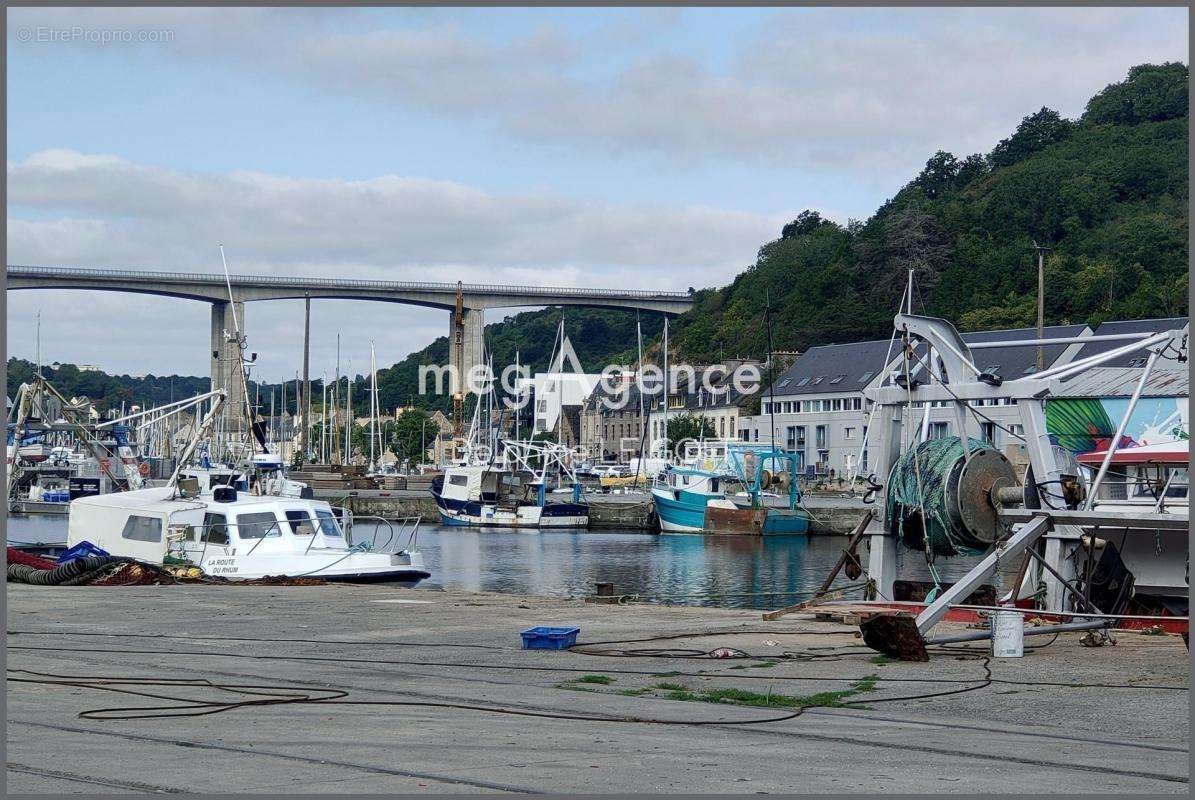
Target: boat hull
{"type": "Point", "coordinates": [471, 514]}
{"type": "Point", "coordinates": [756, 521]}
{"type": "Point", "coordinates": [330, 565]}
{"type": "Point", "coordinates": [680, 511]}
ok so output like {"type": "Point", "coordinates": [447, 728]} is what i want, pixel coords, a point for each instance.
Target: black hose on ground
{"type": "Point", "coordinates": [72, 573]}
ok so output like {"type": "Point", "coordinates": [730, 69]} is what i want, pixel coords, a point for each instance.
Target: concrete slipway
{"type": "Point", "coordinates": [382, 644]}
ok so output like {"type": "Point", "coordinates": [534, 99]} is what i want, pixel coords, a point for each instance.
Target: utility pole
{"type": "Point", "coordinates": [1041, 301]}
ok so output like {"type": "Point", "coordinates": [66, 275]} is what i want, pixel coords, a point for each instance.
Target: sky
{"type": "Point", "coordinates": [646, 148]}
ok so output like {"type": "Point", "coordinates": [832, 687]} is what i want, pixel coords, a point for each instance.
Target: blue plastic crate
{"type": "Point", "coordinates": [545, 638]}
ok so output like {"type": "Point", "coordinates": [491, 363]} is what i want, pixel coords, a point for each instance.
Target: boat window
{"type": "Point", "coordinates": [327, 523]}
{"type": "Point", "coordinates": [215, 527]}
{"type": "Point", "coordinates": [300, 523]}
{"type": "Point", "coordinates": [142, 529]}
{"type": "Point", "coordinates": [257, 526]}
{"type": "Point", "coordinates": [459, 480]}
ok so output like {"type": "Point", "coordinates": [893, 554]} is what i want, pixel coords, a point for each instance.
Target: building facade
{"type": "Point", "coordinates": [817, 408]}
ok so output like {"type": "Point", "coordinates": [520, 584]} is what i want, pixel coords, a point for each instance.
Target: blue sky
{"type": "Point", "coordinates": [645, 147]}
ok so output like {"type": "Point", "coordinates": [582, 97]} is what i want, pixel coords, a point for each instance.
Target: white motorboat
{"type": "Point", "coordinates": [236, 535]}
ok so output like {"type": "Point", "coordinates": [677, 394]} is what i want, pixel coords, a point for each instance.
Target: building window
{"type": "Point", "coordinates": [848, 433]}
{"type": "Point", "coordinates": [988, 430]}
{"type": "Point", "coordinates": [1016, 430]}
{"type": "Point", "coordinates": [791, 439]}
{"type": "Point", "coordinates": [820, 435]}
{"type": "Point", "coordinates": [939, 430]}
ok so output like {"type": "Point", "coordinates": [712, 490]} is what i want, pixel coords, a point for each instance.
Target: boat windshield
{"type": "Point", "coordinates": [327, 523]}
{"type": "Point", "coordinates": [300, 523]}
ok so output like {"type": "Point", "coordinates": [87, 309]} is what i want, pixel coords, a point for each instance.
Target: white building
{"type": "Point", "coordinates": [558, 398]}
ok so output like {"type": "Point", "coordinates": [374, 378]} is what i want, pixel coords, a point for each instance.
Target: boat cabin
{"type": "Point", "coordinates": [151, 523]}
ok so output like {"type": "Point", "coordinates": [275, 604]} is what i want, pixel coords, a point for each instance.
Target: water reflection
{"type": "Point", "coordinates": [742, 571]}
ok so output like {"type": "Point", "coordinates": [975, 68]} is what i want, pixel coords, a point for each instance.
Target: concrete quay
{"type": "Point", "coordinates": [830, 515]}
{"type": "Point", "coordinates": [448, 689]}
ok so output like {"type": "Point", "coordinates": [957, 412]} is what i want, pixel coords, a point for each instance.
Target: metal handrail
{"type": "Point", "coordinates": [337, 283]}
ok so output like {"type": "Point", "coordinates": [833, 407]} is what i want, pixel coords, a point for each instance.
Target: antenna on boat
{"type": "Point", "coordinates": [239, 339]}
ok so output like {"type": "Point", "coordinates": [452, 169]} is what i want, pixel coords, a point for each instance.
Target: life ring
{"type": "Point", "coordinates": [143, 468]}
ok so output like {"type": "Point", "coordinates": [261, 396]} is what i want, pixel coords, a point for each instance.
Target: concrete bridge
{"type": "Point", "coordinates": [466, 301]}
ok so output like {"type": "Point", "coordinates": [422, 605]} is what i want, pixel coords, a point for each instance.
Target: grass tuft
{"type": "Point", "coordinates": [604, 680]}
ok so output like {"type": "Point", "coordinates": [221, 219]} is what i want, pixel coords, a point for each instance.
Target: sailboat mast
{"type": "Point", "coordinates": [666, 440]}
{"type": "Point", "coordinates": [373, 401]}
{"type": "Point", "coordinates": [348, 416]}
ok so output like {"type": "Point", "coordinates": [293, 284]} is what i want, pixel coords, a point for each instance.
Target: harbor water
{"type": "Point", "coordinates": [724, 571]}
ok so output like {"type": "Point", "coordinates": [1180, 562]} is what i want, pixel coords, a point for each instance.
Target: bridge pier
{"type": "Point", "coordinates": [466, 345]}
{"type": "Point", "coordinates": [226, 363]}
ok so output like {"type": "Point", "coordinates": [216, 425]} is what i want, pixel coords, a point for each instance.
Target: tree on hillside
{"type": "Point", "coordinates": [1152, 93]}
{"type": "Point", "coordinates": [1035, 133]}
{"type": "Point", "coordinates": [909, 239]}
{"type": "Point", "coordinates": [806, 222]}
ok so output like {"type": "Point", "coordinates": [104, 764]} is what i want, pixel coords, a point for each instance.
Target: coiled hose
{"type": "Point", "coordinates": [72, 573]}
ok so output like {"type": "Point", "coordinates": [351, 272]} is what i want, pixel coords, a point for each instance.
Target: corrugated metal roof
{"type": "Point", "coordinates": [1129, 326]}
{"type": "Point", "coordinates": [1120, 382]}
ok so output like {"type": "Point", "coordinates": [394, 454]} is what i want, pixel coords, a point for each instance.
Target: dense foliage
{"type": "Point", "coordinates": [689, 426]}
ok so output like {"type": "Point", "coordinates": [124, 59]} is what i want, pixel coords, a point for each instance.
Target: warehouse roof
{"type": "Point", "coordinates": [1129, 326]}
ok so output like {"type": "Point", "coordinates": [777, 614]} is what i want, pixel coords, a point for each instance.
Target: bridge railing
{"type": "Point", "coordinates": [336, 283]}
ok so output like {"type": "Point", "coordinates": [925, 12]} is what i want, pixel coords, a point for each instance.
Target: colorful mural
{"type": "Point", "coordinates": [1082, 425]}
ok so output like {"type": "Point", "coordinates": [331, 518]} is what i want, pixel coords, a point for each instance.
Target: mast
{"type": "Point", "coordinates": [639, 383]}
{"type": "Point", "coordinates": [334, 435]}
{"type": "Point", "coordinates": [373, 400]}
{"type": "Point", "coordinates": [348, 416]}
{"type": "Point", "coordinates": [37, 343]}
{"type": "Point", "coordinates": [667, 442]}
{"type": "Point", "coordinates": [323, 431]}
{"type": "Point", "coordinates": [518, 396]}
{"type": "Point", "coordinates": [305, 441]}
{"type": "Point", "coordinates": [767, 321]}
{"type": "Point", "coordinates": [240, 343]}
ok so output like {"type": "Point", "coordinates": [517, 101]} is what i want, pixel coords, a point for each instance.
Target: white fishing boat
{"type": "Point", "coordinates": [236, 535]}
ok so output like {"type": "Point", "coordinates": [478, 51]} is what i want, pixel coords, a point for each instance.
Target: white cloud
{"type": "Point", "coordinates": [870, 93]}
{"type": "Point", "coordinates": [76, 209]}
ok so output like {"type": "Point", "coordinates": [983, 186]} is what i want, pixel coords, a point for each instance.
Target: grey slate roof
{"type": "Point", "coordinates": [833, 369]}
{"type": "Point", "coordinates": [1129, 326]}
{"type": "Point", "coordinates": [1017, 362]}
